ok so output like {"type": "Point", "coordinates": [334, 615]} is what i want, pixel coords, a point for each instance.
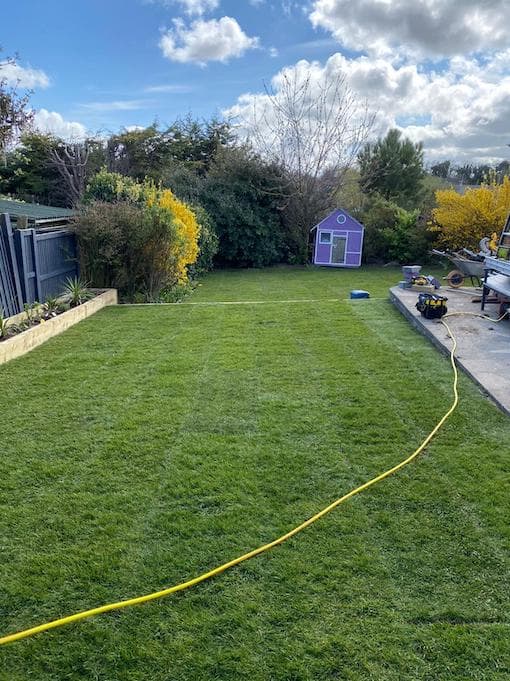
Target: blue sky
{"type": "Point", "coordinates": [435, 68]}
{"type": "Point", "coordinates": [95, 52]}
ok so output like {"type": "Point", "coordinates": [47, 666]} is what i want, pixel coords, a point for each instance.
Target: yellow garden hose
{"type": "Point", "coordinates": [10, 638]}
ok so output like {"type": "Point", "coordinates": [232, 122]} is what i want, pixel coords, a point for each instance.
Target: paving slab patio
{"type": "Point", "coordinates": [483, 347]}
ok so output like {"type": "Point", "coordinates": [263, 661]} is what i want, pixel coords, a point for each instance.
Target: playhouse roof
{"type": "Point", "coordinates": [332, 217]}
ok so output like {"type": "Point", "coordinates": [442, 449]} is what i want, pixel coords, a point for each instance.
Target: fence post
{"type": "Point", "coordinates": [37, 265]}
{"type": "Point", "coordinates": [23, 259]}
{"type": "Point", "coordinates": [11, 262]}
{"type": "Point", "coordinates": [14, 262]}
{"type": "Point", "coordinates": [6, 301]}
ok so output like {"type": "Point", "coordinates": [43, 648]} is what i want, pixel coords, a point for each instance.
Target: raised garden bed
{"type": "Point", "coordinates": [45, 325]}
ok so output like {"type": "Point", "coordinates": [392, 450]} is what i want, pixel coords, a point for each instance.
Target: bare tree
{"type": "Point", "coordinates": [313, 129]}
{"type": "Point", "coordinates": [15, 116]}
{"type": "Point", "coordinates": [70, 160]}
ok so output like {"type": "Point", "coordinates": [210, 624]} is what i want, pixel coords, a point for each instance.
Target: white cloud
{"type": "Point", "coordinates": [25, 77]}
{"type": "Point", "coordinates": [288, 6]}
{"type": "Point", "coordinates": [461, 112]}
{"type": "Point", "coordinates": [194, 7]}
{"type": "Point", "coordinates": [118, 105]}
{"type": "Point", "coordinates": [175, 88]}
{"type": "Point", "coordinates": [53, 123]}
{"type": "Point", "coordinates": [203, 41]}
{"type": "Point", "coordinates": [429, 27]}
{"type": "Point", "coordinates": [191, 7]}
{"type": "Point", "coordinates": [199, 6]}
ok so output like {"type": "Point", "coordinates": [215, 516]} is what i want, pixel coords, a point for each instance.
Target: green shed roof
{"type": "Point", "coordinates": [34, 211]}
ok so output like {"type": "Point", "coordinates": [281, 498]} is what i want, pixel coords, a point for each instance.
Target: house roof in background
{"type": "Point", "coordinates": [34, 211]}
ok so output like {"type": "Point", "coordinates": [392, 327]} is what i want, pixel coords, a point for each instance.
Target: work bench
{"type": "Point", "coordinates": [497, 278]}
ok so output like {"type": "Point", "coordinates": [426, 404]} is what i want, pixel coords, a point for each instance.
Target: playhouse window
{"type": "Point", "coordinates": [325, 237]}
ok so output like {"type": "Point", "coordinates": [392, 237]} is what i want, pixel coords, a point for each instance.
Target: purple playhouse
{"type": "Point", "coordinates": [338, 241]}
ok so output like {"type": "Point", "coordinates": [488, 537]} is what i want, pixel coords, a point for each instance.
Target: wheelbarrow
{"type": "Point", "coordinates": [471, 266]}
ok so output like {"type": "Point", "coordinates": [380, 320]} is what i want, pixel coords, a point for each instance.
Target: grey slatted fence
{"type": "Point", "coordinates": [11, 299]}
{"type": "Point", "coordinates": [46, 260]}
{"type": "Point", "coordinates": [34, 264]}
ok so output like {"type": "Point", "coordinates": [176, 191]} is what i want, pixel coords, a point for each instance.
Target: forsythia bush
{"type": "Point", "coordinates": [185, 247]}
{"type": "Point", "coordinates": [461, 220]}
{"type": "Point", "coordinates": [137, 235]}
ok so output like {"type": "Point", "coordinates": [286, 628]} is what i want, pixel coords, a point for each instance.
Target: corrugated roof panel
{"type": "Point", "coordinates": [34, 211]}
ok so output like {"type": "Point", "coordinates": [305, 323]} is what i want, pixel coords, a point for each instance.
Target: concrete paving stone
{"type": "Point", "coordinates": [483, 347]}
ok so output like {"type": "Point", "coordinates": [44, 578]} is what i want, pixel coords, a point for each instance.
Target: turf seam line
{"type": "Point", "coordinates": [250, 302]}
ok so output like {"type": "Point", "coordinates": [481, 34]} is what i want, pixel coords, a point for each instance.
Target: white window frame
{"type": "Point", "coordinates": [329, 235]}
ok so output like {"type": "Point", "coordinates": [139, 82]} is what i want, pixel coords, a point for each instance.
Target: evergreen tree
{"type": "Point", "coordinates": [392, 167]}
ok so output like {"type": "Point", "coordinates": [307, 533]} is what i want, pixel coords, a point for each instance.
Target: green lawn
{"type": "Point", "coordinates": [148, 444]}
{"type": "Point", "coordinates": [289, 283]}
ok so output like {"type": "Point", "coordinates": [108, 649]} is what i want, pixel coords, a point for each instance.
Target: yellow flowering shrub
{"type": "Point", "coordinates": [461, 220]}
{"type": "Point", "coordinates": [185, 247]}
{"type": "Point", "coordinates": [149, 239]}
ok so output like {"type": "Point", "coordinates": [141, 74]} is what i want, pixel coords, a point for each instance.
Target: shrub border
{"type": "Point", "coordinates": [31, 338]}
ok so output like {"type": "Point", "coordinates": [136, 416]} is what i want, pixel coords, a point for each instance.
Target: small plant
{"type": "Point", "coordinates": [31, 313]}
{"type": "Point", "coordinates": [4, 326]}
{"type": "Point", "coordinates": [177, 293]}
{"type": "Point", "coordinates": [77, 292]}
{"type": "Point", "coordinates": [52, 307]}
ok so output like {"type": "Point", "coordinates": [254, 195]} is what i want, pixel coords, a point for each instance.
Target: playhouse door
{"type": "Point", "coordinates": [338, 250]}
